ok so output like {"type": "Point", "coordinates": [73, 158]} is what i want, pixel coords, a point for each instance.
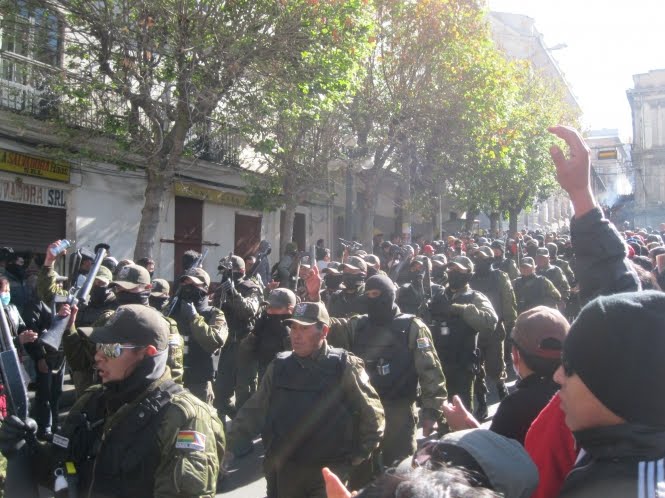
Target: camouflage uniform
{"type": "Point", "coordinates": [294, 470]}
{"type": "Point", "coordinates": [458, 319]}
{"type": "Point", "coordinates": [496, 286]}
{"type": "Point", "coordinates": [535, 291]}
{"type": "Point", "coordinates": [555, 275]}
{"type": "Point", "coordinates": [401, 420]}
{"type": "Point", "coordinates": [133, 459]}
{"type": "Point", "coordinates": [79, 352]}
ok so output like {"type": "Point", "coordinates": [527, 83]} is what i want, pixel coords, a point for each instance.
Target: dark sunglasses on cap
{"type": "Point", "coordinates": [114, 350]}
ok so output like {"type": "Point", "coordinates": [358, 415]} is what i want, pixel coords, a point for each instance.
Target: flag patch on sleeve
{"type": "Point", "coordinates": [190, 440]}
{"type": "Point", "coordinates": [423, 343]}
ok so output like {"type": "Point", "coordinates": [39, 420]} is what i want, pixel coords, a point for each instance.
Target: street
{"type": "Point", "coordinates": [245, 477]}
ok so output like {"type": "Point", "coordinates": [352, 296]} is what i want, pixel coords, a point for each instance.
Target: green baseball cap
{"type": "Point", "coordinates": [309, 314]}
{"type": "Point", "coordinates": [105, 275]}
{"type": "Point", "coordinates": [462, 262]}
{"type": "Point", "coordinates": [132, 324]}
{"type": "Point", "coordinates": [197, 275]}
{"type": "Point", "coordinates": [131, 276]}
{"type": "Point", "coordinates": [160, 288]}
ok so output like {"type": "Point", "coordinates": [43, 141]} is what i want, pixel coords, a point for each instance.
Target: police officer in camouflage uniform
{"type": "Point", "coordinates": [132, 286]}
{"type": "Point", "coordinates": [459, 315]}
{"type": "Point", "coordinates": [315, 407]}
{"type": "Point", "coordinates": [533, 290]}
{"type": "Point", "coordinates": [411, 295]}
{"type": "Point", "coordinates": [439, 275]}
{"type": "Point", "coordinates": [240, 299]}
{"type": "Point", "coordinates": [139, 434]}
{"type": "Point", "coordinates": [203, 329]}
{"type": "Point", "coordinates": [553, 273]}
{"type": "Point", "coordinates": [555, 260]}
{"type": "Point", "coordinates": [350, 300]}
{"type": "Point", "coordinates": [160, 292]}
{"type": "Point", "coordinates": [399, 355]}
{"type": "Point", "coordinates": [496, 286]}
{"type": "Point", "coordinates": [78, 351]}
{"type": "Point", "coordinates": [502, 263]}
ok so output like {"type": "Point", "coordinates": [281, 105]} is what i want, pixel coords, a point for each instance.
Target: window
{"type": "Point", "coordinates": [29, 32]}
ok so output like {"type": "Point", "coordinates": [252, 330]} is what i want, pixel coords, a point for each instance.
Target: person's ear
{"type": "Point", "coordinates": [150, 350]}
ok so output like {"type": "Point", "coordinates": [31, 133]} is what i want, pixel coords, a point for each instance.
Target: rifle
{"type": "Point", "coordinates": [53, 336]}
{"type": "Point", "coordinates": [259, 259]}
{"type": "Point", "coordinates": [197, 262]}
{"type": "Point", "coordinates": [225, 268]}
{"type": "Point", "coordinates": [19, 482]}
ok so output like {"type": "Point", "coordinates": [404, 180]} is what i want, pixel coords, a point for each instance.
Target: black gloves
{"type": "Point", "coordinates": [13, 434]}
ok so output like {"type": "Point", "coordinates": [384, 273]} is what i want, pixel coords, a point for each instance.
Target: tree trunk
{"type": "Point", "coordinates": [512, 224]}
{"type": "Point", "coordinates": [470, 218]}
{"type": "Point", "coordinates": [494, 223]}
{"type": "Point", "coordinates": [286, 234]}
{"type": "Point", "coordinates": [155, 191]}
{"type": "Point", "coordinates": [367, 211]}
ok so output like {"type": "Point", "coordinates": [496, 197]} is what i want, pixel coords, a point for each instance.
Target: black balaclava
{"type": "Point", "coordinates": [381, 310]}
{"type": "Point", "coordinates": [333, 280]}
{"type": "Point", "coordinates": [151, 368]}
{"type": "Point", "coordinates": [353, 281]}
{"type": "Point", "coordinates": [98, 295]}
{"type": "Point", "coordinates": [157, 302]}
{"type": "Point", "coordinates": [457, 280]}
{"type": "Point", "coordinates": [483, 266]}
{"type": "Point", "coordinates": [124, 297]}
{"type": "Point", "coordinates": [192, 294]}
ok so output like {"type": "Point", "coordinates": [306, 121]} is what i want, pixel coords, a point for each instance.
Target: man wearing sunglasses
{"type": "Point", "coordinates": [138, 433]}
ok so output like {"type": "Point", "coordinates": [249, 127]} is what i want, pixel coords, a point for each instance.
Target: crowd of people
{"type": "Point", "coordinates": [337, 364]}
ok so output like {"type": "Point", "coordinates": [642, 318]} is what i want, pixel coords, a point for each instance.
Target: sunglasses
{"type": "Point", "coordinates": [114, 350]}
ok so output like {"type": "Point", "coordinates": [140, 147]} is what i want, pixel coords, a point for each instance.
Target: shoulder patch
{"type": "Point", "coordinates": [423, 343]}
{"type": "Point", "coordinates": [190, 440]}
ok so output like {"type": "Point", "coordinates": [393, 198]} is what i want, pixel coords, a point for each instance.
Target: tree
{"type": "Point", "coordinates": [291, 120]}
{"type": "Point", "coordinates": [512, 169]}
{"type": "Point", "coordinates": [156, 71]}
{"type": "Point", "coordinates": [421, 97]}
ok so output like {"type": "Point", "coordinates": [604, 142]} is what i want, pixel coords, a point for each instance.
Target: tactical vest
{"type": "Point", "coordinates": [408, 299]}
{"type": "Point", "coordinates": [388, 359]}
{"type": "Point", "coordinates": [198, 362]}
{"type": "Point", "coordinates": [530, 292]}
{"type": "Point", "coordinates": [490, 285]}
{"type": "Point", "coordinates": [343, 305]}
{"type": "Point", "coordinates": [455, 341]}
{"type": "Point", "coordinates": [270, 340]}
{"type": "Point", "coordinates": [125, 462]}
{"type": "Point", "coordinates": [240, 327]}
{"type": "Point", "coordinates": [308, 418]}
{"type": "Point", "coordinates": [90, 314]}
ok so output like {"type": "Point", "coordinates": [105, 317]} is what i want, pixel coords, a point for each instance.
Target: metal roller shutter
{"type": "Point", "coordinates": [30, 228]}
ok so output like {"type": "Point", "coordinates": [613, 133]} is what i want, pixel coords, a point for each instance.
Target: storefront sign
{"type": "Point", "coordinates": [33, 166]}
{"type": "Point", "coordinates": [211, 195]}
{"type": "Point", "coordinates": [36, 195]}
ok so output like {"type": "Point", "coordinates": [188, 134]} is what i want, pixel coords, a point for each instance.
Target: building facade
{"type": "Point", "coordinates": [647, 103]}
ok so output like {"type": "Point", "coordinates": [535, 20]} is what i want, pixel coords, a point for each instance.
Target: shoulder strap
{"type": "Point", "coordinates": [401, 323]}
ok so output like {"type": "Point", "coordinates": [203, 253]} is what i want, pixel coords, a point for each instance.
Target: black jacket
{"type": "Point", "coordinates": [601, 264]}
{"type": "Point", "coordinates": [624, 461]}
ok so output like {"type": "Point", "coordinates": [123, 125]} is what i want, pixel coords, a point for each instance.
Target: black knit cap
{"type": "Point", "coordinates": [617, 347]}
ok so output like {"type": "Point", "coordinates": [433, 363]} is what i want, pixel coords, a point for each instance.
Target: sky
{"type": "Point", "coordinates": [607, 43]}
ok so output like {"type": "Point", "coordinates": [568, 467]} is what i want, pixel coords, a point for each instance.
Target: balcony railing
{"type": "Point", "coordinates": [21, 92]}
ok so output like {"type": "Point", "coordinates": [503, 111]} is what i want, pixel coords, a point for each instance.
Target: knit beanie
{"type": "Point", "coordinates": [617, 347]}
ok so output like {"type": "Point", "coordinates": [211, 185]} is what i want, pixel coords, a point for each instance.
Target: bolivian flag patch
{"type": "Point", "coordinates": [423, 343]}
{"type": "Point", "coordinates": [190, 440]}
